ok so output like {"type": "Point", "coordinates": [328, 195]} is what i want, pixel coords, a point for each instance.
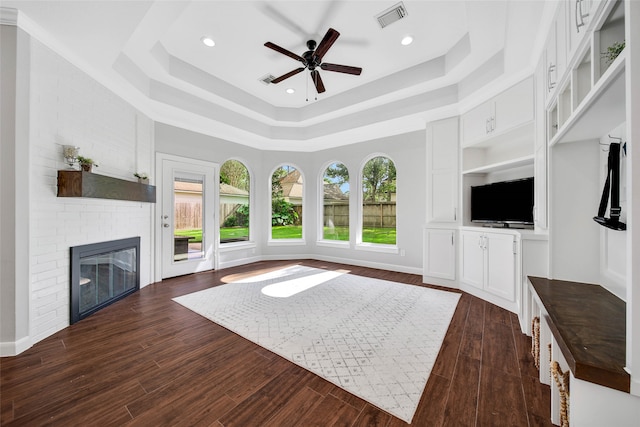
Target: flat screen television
{"type": "Point", "coordinates": [503, 203]}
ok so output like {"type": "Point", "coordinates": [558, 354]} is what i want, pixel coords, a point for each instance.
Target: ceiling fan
{"type": "Point", "coordinates": [312, 59]}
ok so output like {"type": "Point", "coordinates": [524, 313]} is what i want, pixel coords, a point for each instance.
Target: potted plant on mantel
{"type": "Point", "coordinates": [86, 163]}
{"type": "Point", "coordinates": [143, 178]}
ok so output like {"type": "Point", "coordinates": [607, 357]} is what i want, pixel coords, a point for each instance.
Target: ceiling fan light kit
{"type": "Point", "coordinates": [312, 59]}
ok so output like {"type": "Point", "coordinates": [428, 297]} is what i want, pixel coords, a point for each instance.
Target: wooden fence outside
{"type": "Point", "coordinates": [375, 214]}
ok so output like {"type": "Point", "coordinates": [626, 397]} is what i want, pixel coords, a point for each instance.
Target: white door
{"type": "Point", "coordinates": [472, 258]}
{"type": "Point", "coordinates": [188, 212]}
{"type": "Point", "coordinates": [500, 255]}
{"type": "Point", "coordinates": [440, 253]}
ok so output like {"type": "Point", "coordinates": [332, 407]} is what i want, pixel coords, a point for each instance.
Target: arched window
{"type": "Point", "coordinates": [335, 202]}
{"type": "Point", "coordinates": [379, 201]}
{"type": "Point", "coordinates": [287, 190]}
{"type": "Point", "coordinates": [234, 202]}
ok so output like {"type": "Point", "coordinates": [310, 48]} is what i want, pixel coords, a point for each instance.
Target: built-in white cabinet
{"type": "Point", "coordinates": [442, 171]}
{"type": "Point", "coordinates": [503, 113]}
{"type": "Point", "coordinates": [510, 144]}
{"type": "Point", "coordinates": [439, 254]}
{"type": "Point", "coordinates": [555, 52]}
{"type": "Point", "coordinates": [488, 264]}
{"type": "Point", "coordinates": [579, 14]}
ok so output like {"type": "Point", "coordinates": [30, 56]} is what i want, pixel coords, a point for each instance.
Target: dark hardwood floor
{"type": "Point", "coordinates": [148, 361]}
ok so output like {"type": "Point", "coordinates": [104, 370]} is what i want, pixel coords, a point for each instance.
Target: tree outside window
{"type": "Point", "coordinates": [379, 201]}
{"type": "Point", "coordinates": [286, 203]}
{"type": "Point", "coordinates": [234, 202]}
{"type": "Point", "coordinates": [336, 202]}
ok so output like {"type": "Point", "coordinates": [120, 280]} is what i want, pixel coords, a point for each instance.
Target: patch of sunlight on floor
{"type": "Point", "coordinates": [291, 287]}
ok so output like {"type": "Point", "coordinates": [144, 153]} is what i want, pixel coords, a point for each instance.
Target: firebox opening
{"type": "Point", "coordinates": [103, 273]}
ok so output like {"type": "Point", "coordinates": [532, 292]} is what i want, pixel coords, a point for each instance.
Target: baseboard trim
{"type": "Point", "coordinates": [14, 348]}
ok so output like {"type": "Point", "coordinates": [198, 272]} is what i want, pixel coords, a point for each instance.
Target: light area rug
{"type": "Point", "coordinates": [376, 339]}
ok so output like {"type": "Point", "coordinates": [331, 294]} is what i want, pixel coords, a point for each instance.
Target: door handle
{"type": "Point", "coordinates": [165, 225]}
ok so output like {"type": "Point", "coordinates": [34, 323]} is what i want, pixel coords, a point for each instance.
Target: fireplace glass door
{"type": "Point", "coordinates": [102, 273]}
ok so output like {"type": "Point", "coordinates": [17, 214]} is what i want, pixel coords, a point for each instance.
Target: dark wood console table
{"type": "Point", "coordinates": [589, 325]}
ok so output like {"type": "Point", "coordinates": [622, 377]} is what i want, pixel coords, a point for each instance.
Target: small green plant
{"type": "Point", "coordinates": [141, 175]}
{"type": "Point", "coordinates": [612, 52]}
{"type": "Point", "coordinates": [86, 163]}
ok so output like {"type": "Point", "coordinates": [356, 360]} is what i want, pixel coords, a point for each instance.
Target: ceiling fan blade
{"type": "Point", "coordinates": [341, 68]}
{"type": "Point", "coordinates": [286, 76]}
{"type": "Point", "coordinates": [284, 51]}
{"type": "Point", "coordinates": [327, 41]}
{"type": "Point", "coordinates": [317, 81]}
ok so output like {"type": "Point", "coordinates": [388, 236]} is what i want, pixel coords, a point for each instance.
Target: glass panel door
{"type": "Point", "coordinates": [188, 211]}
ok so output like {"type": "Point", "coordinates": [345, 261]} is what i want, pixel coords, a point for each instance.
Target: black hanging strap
{"type": "Point", "coordinates": [611, 183]}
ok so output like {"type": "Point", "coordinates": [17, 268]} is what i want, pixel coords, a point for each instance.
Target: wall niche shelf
{"type": "Point", "coordinates": [502, 166]}
{"type": "Point", "coordinates": [72, 183]}
{"type": "Point", "coordinates": [601, 109]}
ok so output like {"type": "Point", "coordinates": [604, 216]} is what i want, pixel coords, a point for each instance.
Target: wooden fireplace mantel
{"type": "Point", "coordinates": [72, 183]}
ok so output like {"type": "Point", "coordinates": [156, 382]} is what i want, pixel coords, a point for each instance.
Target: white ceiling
{"type": "Point", "coordinates": [151, 54]}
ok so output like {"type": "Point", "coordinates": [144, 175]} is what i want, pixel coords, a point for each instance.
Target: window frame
{"type": "Point", "coordinates": [250, 243]}
{"type": "Point", "coordinates": [286, 242]}
{"type": "Point", "coordinates": [321, 241]}
{"type": "Point", "coordinates": [368, 246]}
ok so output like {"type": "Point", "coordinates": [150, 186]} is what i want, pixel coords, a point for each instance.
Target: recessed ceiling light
{"type": "Point", "coordinates": [406, 40]}
{"type": "Point", "coordinates": [291, 90]}
{"type": "Point", "coordinates": [208, 41]}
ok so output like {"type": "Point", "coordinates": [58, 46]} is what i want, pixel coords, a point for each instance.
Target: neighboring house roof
{"type": "Point", "coordinates": [292, 185]}
{"type": "Point", "coordinates": [195, 187]}
{"type": "Point", "coordinates": [333, 192]}
{"type": "Point", "coordinates": [188, 187]}
{"type": "Point", "coordinates": [231, 190]}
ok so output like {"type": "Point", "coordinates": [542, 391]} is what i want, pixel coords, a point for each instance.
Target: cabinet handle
{"type": "Point", "coordinates": [452, 239]}
{"type": "Point", "coordinates": [486, 126]}
{"type": "Point", "coordinates": [550, 84]}
{"type": "Point", "coordinates": [493, 123]}
{"type": "Point", "coordinates": [455, 214]}
{"type": "Point", "coordinates": [580, 15]}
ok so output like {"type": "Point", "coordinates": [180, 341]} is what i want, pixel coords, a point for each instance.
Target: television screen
{"type": "Point", "coordinates": [507, 202]}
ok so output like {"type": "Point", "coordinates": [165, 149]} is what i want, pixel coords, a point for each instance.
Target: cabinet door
{"type": "Point", "coordinates": [442, 171]}
{"type": "Point", "coordinates": [556, 50]}
{"type": "Point", "coordinates": [579, 15]}
{"type": "Point", "coordinates": [440, 253]}
{"type": "Point", "coordinates": [500, 278]}
{"type": "Point", "coordinates": [472, 258]}
{"type": "Point", "coordinates": [514, 106]}
{"type": "Point", "coordinates": [476, 123]}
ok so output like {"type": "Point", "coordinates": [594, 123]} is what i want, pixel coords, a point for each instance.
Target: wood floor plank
{"type": "Point", "coordinates": [462, 401]}
{"type": "Point", "coordinates": [372, 417]}
{"type": "Point", "coordinates": [471, 345]}
{"type": "Point", "coordinates": [295, 409]}
{"type": "Point", "coordinates": [147, 360]}
{"type": "Point", "coordinates": [498, 349]}
{"type": "Point", "coordinates": [501, 400]}
{"type": "Point", "coordinates": [331, 412]}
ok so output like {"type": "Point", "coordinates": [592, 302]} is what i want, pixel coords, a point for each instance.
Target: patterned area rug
{"type": "Point", "coordinates": [374, 338]}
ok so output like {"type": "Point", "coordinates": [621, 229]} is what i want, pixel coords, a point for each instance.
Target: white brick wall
{"type": "Point", "coordinates": [69, 107]}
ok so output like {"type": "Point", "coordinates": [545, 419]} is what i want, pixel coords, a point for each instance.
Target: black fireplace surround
{"type": "Point", "coordinates": [103, 273]}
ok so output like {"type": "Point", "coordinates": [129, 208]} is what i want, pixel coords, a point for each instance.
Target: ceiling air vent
{"type": "Point", "coordinates": [391, 15]}
{"type": "Point", "coordinates": [267, 79]}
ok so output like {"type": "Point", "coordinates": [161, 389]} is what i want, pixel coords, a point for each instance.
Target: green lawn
{"type": "Point", "coordinates": [286, 232]}
{"type": "Point", "coordinates": [386, 236]}
{"type": "Point", "coordinates": [225, 233]}
{"type": "Point", "coordinates": [195, 233]}
{"type": "Point", "coordinates": [336, 233]}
